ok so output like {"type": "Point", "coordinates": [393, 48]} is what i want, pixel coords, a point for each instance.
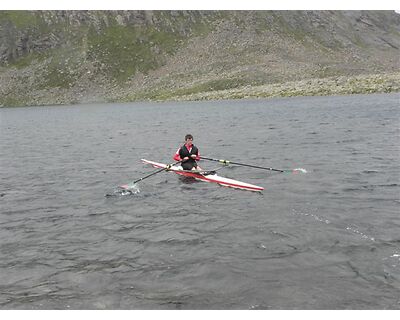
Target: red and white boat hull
{"type": "Point", "coordinates": [226, 182]}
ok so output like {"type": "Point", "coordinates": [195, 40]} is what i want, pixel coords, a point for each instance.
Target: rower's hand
{"type": "Point", "coordinates": [193, 156]}
{"type": "Point", "coordinates": [185, 159]}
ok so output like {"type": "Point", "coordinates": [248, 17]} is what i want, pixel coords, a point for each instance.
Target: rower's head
{"type": "Point", "coordinates": [188, 139]}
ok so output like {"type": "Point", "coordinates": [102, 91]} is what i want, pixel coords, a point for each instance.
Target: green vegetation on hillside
{"type": "Point", "coordinates": [124, 51]}
{"type": "Point", "coordinates": [20, 19]}
{"type": "Point", "coordinates": [57, 57]}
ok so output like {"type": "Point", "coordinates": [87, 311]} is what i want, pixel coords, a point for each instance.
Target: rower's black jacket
{"type": "Point", "coordinates": [184, 152]}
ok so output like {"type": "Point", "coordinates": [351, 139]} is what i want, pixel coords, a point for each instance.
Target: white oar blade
{"type": "Point", "coordinates": [131, 188]}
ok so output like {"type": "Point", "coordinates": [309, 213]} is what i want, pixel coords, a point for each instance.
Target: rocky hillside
{"type": "Point", "coordinates": [62, 57]}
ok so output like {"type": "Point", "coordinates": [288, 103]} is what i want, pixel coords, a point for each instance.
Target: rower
{"type": "Point", "coordinates": [188, 154]}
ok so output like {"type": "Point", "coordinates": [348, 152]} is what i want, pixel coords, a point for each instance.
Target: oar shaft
{"type": "Point", "coordinates": [241, 164]}
{"type": "Point", "coordinates": [257, 167]}
{"type": "Point", "coordinates": [153, 173]}
{"type": "Point", "coordinates": [149, 175]}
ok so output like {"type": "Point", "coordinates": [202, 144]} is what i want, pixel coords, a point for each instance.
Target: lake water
{"type": "Point", "coordinates": [327, 239]}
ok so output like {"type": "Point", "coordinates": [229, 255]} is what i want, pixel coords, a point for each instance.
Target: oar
{"type": "Point", "coordinates": [227, 162]}
{"type": "Point", "coordinates": [149, 175]}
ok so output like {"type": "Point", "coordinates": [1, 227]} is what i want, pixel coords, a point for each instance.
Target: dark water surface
{"type": "Point", "coordinates": [328, 239]}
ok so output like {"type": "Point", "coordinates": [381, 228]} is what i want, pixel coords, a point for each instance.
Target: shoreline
{"type": "Point", "coordinates": [331, 86]}
{"type": "Point", "coordinates": [363, 84]}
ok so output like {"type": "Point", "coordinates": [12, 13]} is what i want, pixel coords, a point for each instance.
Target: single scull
{"type": "Point", "coordinates": [226, 182]}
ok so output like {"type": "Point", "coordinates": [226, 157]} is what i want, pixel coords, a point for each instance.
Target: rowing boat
{"type": "Point", "coordinates": [207, 177]}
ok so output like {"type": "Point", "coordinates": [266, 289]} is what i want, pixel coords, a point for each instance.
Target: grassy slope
{"type": "Point", "coordinates": [181, 56]}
